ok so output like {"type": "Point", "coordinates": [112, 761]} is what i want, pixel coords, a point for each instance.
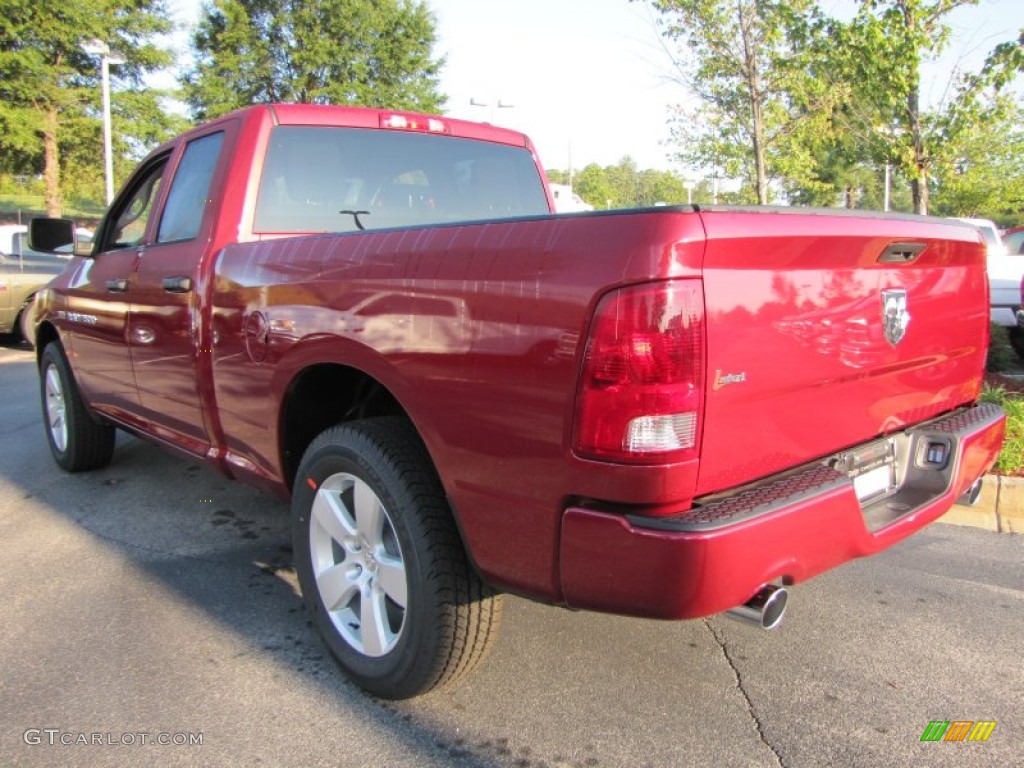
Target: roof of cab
{"type": "Point", "coordinates": [365, 117]}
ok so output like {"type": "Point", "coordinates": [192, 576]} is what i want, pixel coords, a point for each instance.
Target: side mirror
{"type": "Point", "coordinates": [55, 236]}
{"type": "Point", "coordinates": [49, 235]}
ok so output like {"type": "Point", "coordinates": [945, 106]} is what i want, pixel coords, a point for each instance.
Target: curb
{"type": "Point", "coordinates": [1000, 507]}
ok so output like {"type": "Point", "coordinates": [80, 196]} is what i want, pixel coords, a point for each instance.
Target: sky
{"type": "Point", "coordinates": [589, 80]}
{"type": "Point", "coordinates": [586, 77]}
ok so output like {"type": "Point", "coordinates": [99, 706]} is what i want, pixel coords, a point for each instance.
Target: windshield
{"type": "Point", "coordinates": [328, 179]}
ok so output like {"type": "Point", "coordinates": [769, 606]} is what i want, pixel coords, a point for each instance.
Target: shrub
{"type": "Point", "coordinates": [1000, 354]}
{"type": "Point", "coordinates": [1011, 458]}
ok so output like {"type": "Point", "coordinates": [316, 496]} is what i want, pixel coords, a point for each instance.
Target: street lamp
{"type": "Point", "coordinates": [101, 49]}
{"type": "Point", "coordinates": [888, 182]}
{"type": "Point", "coordinates": [890, 132]}
{"type": "Point", "coordinates": [689, 185]}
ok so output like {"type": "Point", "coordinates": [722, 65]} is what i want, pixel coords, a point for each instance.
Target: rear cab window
{"type": "Point", "coordinates": [332, 179]}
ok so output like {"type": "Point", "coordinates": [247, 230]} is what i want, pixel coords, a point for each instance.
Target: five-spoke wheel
{"type": "Point", "coordinates": [381, 564]}
{"type": "Point", "coordinates": [357, 563]}
{"type": "Point", "coordinates": [77, 440]}
{"type": "Point", "coordinates": [55, 407]}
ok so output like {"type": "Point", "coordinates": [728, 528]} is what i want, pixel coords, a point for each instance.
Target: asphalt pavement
{"type": "Point", "coordinates": [155, 601]}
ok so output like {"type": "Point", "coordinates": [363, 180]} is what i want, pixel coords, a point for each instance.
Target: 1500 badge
{"type": "Point", "coordinates": [76, 317]}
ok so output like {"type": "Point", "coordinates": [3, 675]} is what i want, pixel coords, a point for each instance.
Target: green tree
{"type": "Point", "coordinates": [737, 57]}
{"type": "Point", "coordinates": [592, 186]}
{"type": "Point", "coordinates": [879, 55]}
{"type": "Point", "coordinates": [556, 176]}
{"type": "Point", "coordinates": [660, 187]}
{"type": "Point", "coordinates": [49, 89]}
{"type": "Point", "coordinates": [982, 177]}
{"type": "Point", "coordinates": [374, 53]}
{"type": "Point", "coordinates": [624, 181]}
{"type": "Point", "coordinates": [614, 186]}
{"type": "Point", "coordinates": [623, 186]}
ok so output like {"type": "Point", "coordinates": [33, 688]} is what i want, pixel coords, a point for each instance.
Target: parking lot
{"type": "Point", "coordinates": [154, 601]}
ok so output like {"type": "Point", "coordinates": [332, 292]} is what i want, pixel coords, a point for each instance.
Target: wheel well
{"type": "Point", "coordinates": [321, 397]}
{"type": "Point", "coordinates": [45, 333]}
{"type": "Point", "coordinates": [21, 314]}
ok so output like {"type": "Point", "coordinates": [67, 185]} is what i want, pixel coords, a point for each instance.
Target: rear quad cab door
{"type": "Point", "coordinates": [166, 327]}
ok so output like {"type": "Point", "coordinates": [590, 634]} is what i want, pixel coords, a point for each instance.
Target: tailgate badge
{"type": "Point", "coordinates": [895, 315]}
{"type": "Point", "coordinates": [725, 379]}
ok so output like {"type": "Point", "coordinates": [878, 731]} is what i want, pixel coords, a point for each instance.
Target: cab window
{"type": "Point", "coordinates": [190, 190]}
{"type": "Point", "coordinates": [131, 217]}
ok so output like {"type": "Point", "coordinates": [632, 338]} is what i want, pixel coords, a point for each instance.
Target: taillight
{"type": "Point", "coordinates": [641, 392]}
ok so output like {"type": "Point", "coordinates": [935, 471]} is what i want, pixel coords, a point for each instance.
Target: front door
{"type": "Point", "coordinates": [98, 296]}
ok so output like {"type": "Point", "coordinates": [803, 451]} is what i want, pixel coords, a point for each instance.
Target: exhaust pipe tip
{"type": "Point", "coordinates": [765, 609]}
{"type": "Point", "coordinates": [971, 495]}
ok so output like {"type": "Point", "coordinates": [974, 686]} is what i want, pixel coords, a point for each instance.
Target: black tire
{"type": "Point", "coordinates": [450, 619]}
{"type": "Point", "coordinates": [77, 441]}
{"type": "Point", "coordinates": [26, 323]}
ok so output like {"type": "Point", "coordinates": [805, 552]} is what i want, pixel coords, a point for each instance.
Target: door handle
{"type": "Point", "coordinates": [177, 284]}
{"type": "Point", "coordinates": [117, 286]}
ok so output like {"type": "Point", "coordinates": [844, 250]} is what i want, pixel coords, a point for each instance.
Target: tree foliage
{"type": "Point", "coordinates": [375, 53]}
{"type": "Point", "coordinates": [623, 185]}
{"type": "Point", "coordinates": [982, 177]}
{"type": "Point", "coordinates": [872, 68]}
{"type": "Point", "coordinates": [737, 57]}
{"type": "Point", "coordinates": [819, 106]}
{"type": "Point", "coordinates": [49, 87]}
{"type": "Point", "coordinates": [879, 54]}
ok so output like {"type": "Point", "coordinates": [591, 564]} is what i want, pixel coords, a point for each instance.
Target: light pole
{"type": "Point", "coordinates": [689, 186]}
{"type": "Point", "coordinates": [101, 49]}
{"type": "Point", "coordinates": [890, 132]}
{"type": "Point", "coordinates": [885, 200]}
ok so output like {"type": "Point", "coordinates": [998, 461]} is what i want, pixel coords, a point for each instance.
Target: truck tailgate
{"type": "Point", "coordinates": [826, 331]}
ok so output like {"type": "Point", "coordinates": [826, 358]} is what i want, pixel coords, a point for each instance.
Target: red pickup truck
{"type": "Point", "coordinates": [665, 413]}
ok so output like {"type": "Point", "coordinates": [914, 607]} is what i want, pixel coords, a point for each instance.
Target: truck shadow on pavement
{"type": "Point", "coordinates": [224, 549]}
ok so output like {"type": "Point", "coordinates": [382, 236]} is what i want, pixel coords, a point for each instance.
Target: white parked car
{"type": "Point", "coordinates": [1005, 272]}
{"type": "Point", "coordinates": [11, 236]}
{"type": "Point", "coordinates": [567, 201]}
{"type": "Point", "coordinates": [14, 240]}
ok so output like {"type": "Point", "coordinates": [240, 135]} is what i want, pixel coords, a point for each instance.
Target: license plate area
{"type": "Point", "coordinates": [872, 468]}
